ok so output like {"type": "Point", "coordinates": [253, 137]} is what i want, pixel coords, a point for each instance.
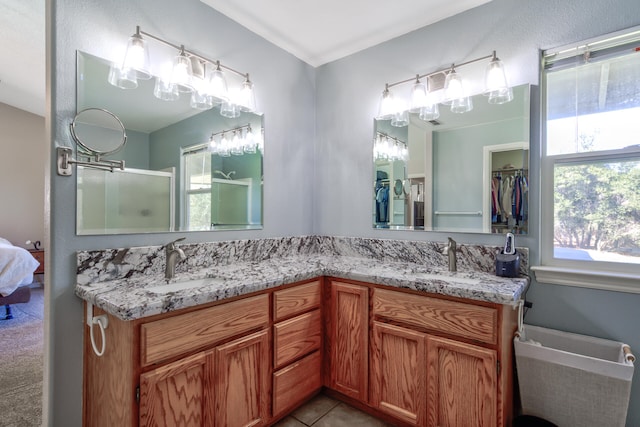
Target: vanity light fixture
{"type": "Point", "coordinates": [386, 147]}
{"type": "Point", "coordinates": [187, 74]}
{"type": "Point", "coordinates": [236, 142]}
{"type": "Point", "coordinates": [423, 100]}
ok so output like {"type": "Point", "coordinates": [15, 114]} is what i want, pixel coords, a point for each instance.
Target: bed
{"type": "Point", "coordinates": [16, 270]}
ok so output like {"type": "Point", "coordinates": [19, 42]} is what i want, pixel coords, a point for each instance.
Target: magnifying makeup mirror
{"type": "Point", "coordinates": [98, 132]}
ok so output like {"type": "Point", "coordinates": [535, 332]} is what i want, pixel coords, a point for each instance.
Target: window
{"type": "Point", "coordinates": [197, 188]}
{"type": "Point", "coordinates": [590, 163]}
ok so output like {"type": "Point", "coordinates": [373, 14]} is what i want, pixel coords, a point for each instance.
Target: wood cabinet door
{"type": "Point", "coordinates": [176, 394]}
{"type": "Point", "coordinates": [349, 339]}
{"type": "Point", "coordinates": [399, 372]}
{"type": "Point", "coordinates": [241, 391]}
{"type": "Point", "coordinates": [461, 385]}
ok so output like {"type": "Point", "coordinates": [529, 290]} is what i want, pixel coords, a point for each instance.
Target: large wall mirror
{"type": "Point", "coordinates": [172, 180]}
{"type": "Point", "coordinates": [461, 173]}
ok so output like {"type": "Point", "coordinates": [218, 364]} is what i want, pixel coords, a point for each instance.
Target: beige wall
{"type": "Point", "coordinates": [21, 175]}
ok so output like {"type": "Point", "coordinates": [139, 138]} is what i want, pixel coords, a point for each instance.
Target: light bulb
{"type": "Point", "coordinates": [136, 56]}
{"type": "Point", "coordinates": [124, 79]}
{"type": "Point", "coordinates": [182, 73]}
{"type": "Point", "coordinates": [246, 99]}
{"type": "Point", "coordinates": [218, 85]}
{"type": "Point", "coordinates": [387, 105]}
{"type": "Point", "coordinates": [453, 87]}
{"type": "Point", "coordinates": [225, 149]}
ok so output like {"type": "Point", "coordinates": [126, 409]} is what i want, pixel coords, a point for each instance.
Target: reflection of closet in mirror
{"type": "Point", "coordinates": [506, 180]}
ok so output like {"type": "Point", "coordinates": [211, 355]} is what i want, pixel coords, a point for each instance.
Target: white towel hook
{"type": "Point", "coordinates": [103, 322]}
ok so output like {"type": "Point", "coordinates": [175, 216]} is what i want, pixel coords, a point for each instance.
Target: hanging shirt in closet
{"type": "Point", "coordinates": [382, 204]}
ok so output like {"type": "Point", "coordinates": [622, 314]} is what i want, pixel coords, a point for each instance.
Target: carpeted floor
{"type": "Point", "coordinates": [21, 363]}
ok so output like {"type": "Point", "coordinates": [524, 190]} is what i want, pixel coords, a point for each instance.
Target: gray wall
{"type": "Point", "coordinates": [22, 189]}
{"type": "Point", "coordinates": [348, 91]}
{"type": "Point", "coordinates": [285, 92]}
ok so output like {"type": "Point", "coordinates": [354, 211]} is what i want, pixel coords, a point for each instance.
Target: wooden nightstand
{"type": "Point", "coordinates": [39, 256]}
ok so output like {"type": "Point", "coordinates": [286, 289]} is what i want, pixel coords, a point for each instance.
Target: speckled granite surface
{"type": "Point", "coordinates": [120, 280]}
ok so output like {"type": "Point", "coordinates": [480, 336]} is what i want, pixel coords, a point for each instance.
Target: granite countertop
{"type": "Point", "coordinates": [130, 299]}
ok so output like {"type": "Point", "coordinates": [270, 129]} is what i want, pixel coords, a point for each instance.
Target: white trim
{"type": "Point", "coordinates": [603, 280]}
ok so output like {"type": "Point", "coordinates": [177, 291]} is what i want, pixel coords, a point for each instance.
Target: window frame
{"type": "Point", "coordinates": [613, 276]}
{"type": "Point", "coordinates": [184, 152]}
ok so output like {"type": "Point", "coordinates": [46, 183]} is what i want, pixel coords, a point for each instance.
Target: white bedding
{"type": "Point", "coordinates": [16, 267]}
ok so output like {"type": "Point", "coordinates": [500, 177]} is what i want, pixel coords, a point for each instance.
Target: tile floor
{"type": "Point", "coordinates": [323, 411]}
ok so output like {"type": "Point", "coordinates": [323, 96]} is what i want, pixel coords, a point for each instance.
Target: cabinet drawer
{"type": "Point", "coordinates": [187, 332]}
{"type": "Point", "coordinates": [293, 384]}
{"type": "Point", "coordinates": [292, 301]}
{"type": "Point", "coordinates": [451, 317]}
{"type": "Point", "coordinates": [296, 337]}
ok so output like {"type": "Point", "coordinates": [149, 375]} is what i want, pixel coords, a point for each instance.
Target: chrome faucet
{"type": "Point", "coordinates": [450, 251]}
{"type": "Point", "coordinates": [172, 251]}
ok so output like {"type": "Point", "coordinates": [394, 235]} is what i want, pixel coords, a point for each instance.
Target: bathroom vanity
{"type": "Point", "coordinates": [412, 345]}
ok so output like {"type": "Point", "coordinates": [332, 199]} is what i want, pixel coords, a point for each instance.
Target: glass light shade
{"type": "Point", "coordinates": [495, 78]}
{"type": "Point", "coordinates": [387, 106]}
{"type": "Point", "coordinates": [246, 98]}
{"type": "Point", "coordinates": [218, 86]}
{"type": "Point", "coordinates": [461, 105]}
{"type": "Point", "coordinates": [501, 96]}
{"type": "Point", "coordinates": [224, 149]}
{"type": "Point", "coordinates": [236, 145]}
{"type": "Point", "coordinates": [200, 100]}
{"type": "Point", "coordinates": [400, 119]}
{"type": "Point", "coordinates": [229, 109]}
{"type": "Point", "coordinates": [136, 57]}
{"type": "Point", "coordinates": [213, 145]}
{"type": "Point", "coordinates": [249, 141]}
{"type": "Point", "coordinates": [453, 87]}
{"type": "Point", "coordinates": [418, 97]}
{"type": "Point", "coordinates": [165, 90]}
{"type": "Point", "coordinates": [124, 79]}
{"type": "Point", "coordinates": [182, 74]}
{"type": "Point", "coordinates": [429, 112]}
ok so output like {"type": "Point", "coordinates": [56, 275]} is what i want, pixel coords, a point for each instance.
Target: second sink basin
{"type": "Point", "coordinates": [165, 288]}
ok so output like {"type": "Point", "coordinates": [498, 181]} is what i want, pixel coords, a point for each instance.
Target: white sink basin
{"type": "Point", "coordinates": [446, 278]}
{"type": "Point", "coordinates": [165, 288]}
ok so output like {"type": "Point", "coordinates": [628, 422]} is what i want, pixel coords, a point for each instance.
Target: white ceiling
{"type": "Point", "coordinates": [316, 32]}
